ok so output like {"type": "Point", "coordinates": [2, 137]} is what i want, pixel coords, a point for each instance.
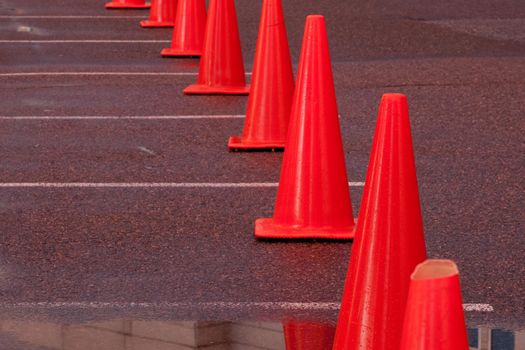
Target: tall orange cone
{"type": "Point", "coordinates": [221, 69]}
{"type": "Point", "coordinates": [434, 318]}
{"type": "Point", "coordinates": [313, 200]}
{"type": "Point", "coordinates": [272, 86]}
{"type": "Point", "coordinates": [188, 34]}
{"type": "Point", "coordinates": [389, 238]}
{"type": "Point", "coordinates": [127, 4]}
{"type": "Point", "coordinates": [307, 335]}
{"type": "Point", "coordinates": [161, 14]}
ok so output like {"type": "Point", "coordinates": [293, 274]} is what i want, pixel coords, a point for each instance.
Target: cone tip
{"type": "Point", "coordinates": [435, 269]}
{"type": "Point", "coordinates": [394, 97]}
{"type": "Point", "coordinates": [315, 18]}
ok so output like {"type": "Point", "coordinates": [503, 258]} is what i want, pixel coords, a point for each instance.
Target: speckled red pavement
{"type": "Point", "coordinates": [462, 66]}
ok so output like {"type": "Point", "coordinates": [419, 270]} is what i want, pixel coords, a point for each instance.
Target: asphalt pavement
{"type": "Point", "coordinates": [78, 107]}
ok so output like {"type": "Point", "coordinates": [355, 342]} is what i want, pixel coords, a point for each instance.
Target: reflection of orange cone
{"type": "Point", "coordinates": [272, 85]}
{"type": "Point", "coordinates": [221, 68]}
{"type": "Point", "coordinates": [127, 4]}
{"type": "Point", "coordinates": [313, 200]}
{"type": "Point", "coordinates": [389, 239]}
{"type": "Point", "coordinates": [308, 335]}
{"type": "Point", "coordinates": [161, 14]}
{"type": "Point", "coordinates": [434, 318]}
{"type": "Point", "coordinates": [188, 35]}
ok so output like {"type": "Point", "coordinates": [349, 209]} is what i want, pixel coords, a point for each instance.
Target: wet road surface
{"type": "Point", "coordinates": [188, 252]}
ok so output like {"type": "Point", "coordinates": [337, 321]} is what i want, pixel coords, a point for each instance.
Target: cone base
{"type": "Point", "coordinates": [180, 53]}
{"type": "Point", "coordinates": [119, 5]}
{"type": "Point", "coordinates": [153, 24]}
{"type": "Point", "coordinates": [266, 228]}
{"type": "Point", "coordinates": [198, 89]}
{"type": "Point", "coordinates": [237, 143]}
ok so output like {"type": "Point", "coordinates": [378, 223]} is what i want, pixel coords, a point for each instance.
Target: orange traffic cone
{"type": "Point", "coordinates": [221, 68]}
{"type": "Point", "coordinates": [389, 238]}
{"type": "Point", "coordinates": [270, 101]}
{"type": "Point", "coordinates": [161, 14]}
{"type": "Point", "coordinates": [188, 35]}
{"type": "Point", "coordinates": [302, 335]}
{"type": "Point", "coordinates": [434, 318]}
{"type": "Point", "coordinates": [313, 200]}
{"type": "Point", "coordinates": [127, 4]}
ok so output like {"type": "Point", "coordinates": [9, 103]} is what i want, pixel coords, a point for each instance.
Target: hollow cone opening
{"type": "Point", "coordinates": [434, 268]}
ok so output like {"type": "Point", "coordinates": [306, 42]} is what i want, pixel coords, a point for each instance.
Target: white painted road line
{"type": "Point", "coordinates": [35, 74]}
{"type": "Point", "coordinates": [147, 184]}
{"type": "Point", "coordinates": [103, 41]}
{"type": "Point", "coordinates": [70, 17]}
{"type": "Point", "coordinates": [124, 117]}
{"type": "Point", "coordinates": [201, 305]}
{"type": "Point", "coordinates": [478, 307]}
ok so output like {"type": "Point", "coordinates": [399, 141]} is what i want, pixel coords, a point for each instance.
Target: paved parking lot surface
{"type": "Point", "coordinates": [154, 225]}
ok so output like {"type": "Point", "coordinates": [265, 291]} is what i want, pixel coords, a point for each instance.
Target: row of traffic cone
{"type": "Point", "coordinates": [313, 202]}
{"type": "Point", "coordinates": [432, 319]}
{"type": "Point", "coordinates": [313, 198]}
{"type": "Point", "coordinates": [214, 37]}
{"type": "Point", "coordinates": [380, 293]}
{"type": "Point", "coordinates": [222, 71]}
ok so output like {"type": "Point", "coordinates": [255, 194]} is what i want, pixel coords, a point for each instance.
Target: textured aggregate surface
{"type": "Point", "coordinates": [461, 64]}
